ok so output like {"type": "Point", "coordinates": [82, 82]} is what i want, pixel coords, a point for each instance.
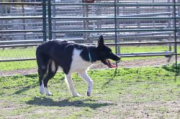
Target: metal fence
{"type": "Point", "coordinates": [23, 25]}
{"type": "Point", "coordinates": [124, 24]}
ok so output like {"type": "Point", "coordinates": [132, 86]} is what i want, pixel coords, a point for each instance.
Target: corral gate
{"type": "Point", "coordinates": [122, 22]}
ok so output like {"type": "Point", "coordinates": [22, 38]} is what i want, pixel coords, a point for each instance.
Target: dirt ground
{"type": "Point", "coordinates": [125, 64]}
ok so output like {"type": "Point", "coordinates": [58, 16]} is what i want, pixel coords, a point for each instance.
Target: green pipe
{"type": "Point", "coordinates": [44, 20]}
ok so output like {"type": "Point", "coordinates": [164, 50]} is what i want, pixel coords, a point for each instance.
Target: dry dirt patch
{"type": "Point", "coordinates": [125, 64]}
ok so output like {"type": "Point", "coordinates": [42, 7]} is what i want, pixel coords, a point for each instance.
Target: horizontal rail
{"type": "Point", "coordinates": [17, 31]}
{"type": "Point", "coordinates": [113, 30]}
{"type": "Point", "coordinates": [20, 17]}
{"type": "Point", "coordinates": [21, 3]}
{"type": "Point", "coordinates": [35, 43]}
{"type": "Point", "coordinates": [120, 4]}
{"type": "Point", "coordinates": [147, 54]}
{"type": "Point", "coordinates": [19, 45]}
{"type": "Point", "coordinates": [20, 42]}
{"type": "Point", "coordinates": [67, 17]}
{"type": "Point", "coordinates": [143, 43]}
{"type": "Point", "coordinates": [24, 59]}
{"type": "Point", "coordinates": [124, 18]}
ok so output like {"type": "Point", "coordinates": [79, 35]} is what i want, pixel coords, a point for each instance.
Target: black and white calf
{"type": "Point", "coordinates": [71, 57]}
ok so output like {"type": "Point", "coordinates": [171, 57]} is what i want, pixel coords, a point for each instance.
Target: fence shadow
{"type": "Point", "coordinates": [67, 103]}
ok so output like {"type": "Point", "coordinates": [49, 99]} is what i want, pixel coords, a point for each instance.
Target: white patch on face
{"type": "Point", "coordinates": [78, 64]}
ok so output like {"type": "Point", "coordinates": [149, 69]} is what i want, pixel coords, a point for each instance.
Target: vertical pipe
{"type": "Point", "coordinates": [54, 21]}
{"type": "Point", "coordinates": [44, 19]}
{"type": "Point", "coordinates": [115, 27]}
{"type": "Point", "coordinates": [24, 21]}
{"type": "Point", "coordinates": [49, 20]}
{"type": "Point", "coordinates": [175, 36]}
{"type": "Point", "coordinates": [118, 26]}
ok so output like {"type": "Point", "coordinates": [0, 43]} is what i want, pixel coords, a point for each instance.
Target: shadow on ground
{"type": "Point", "coordinates": [173, 68]}
{"type": "Point", "coordinates": [66, 102]}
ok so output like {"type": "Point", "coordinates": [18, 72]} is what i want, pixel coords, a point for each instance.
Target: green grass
{"type": "Point", "coordinates": [9, 53]}
{"type": "Point", "coordinates": [17, 65]}
{"type": "Point", "coordinates": [14, 53]}
{"type": "Point", "coordinates": [149, 92]}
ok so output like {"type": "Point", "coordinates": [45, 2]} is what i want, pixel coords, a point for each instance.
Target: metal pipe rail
{"type": "Point", "coordinates": [166, 54]}
{"type": "Point", "coordinates": [12, 60]}
{"type": "Point", "coordinates": [20, 17]}
{"type": "Point", "coordinates": [20, 42]}
{"type": "Point", "coordinates": [122, 18]}
{"type": "Point", "coordinates": [143, 43]}
{"type": "Point", "coordinates": [112, 30]}
{"type": "Point", "coordinates": [120, 4]}
{"type": "Point", "coordinates": [21, 3]}
{"type": "Point", "coordinates": [17, 31]}
{"type": "Point", "coordinates": [18, 45]}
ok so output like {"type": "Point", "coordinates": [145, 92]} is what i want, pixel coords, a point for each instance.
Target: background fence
{"type": "Point", "coordinates": [136, 28]}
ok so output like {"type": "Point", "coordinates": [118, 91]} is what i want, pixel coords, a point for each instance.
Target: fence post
{"type": "Point", "coordinates": [44, 20]}
{"type": "Point", "coordinates": [49, 20]}
{"type": "Point", "coordinates": [175, 36]}
{"type": "Point", "coordinates": [115, 27]}
{"type": "Point", "coordinates": [54, 21]}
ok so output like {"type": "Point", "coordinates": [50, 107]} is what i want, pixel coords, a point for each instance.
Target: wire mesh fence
{"type": "Point", "coordinates": [132, 28]}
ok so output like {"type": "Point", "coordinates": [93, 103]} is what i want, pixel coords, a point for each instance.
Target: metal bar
{"type": "Point", "coordinates": [44, 20]}
{"type": "Point", "coordinates": [21, 3]}
{"type": "Point", "coordinates": [175, 37]}
{"type": "Point", "coordinates": [11, 60]}
{"type": "Point", "coordinates": [49, 20]}
{"type": "Point", "coordinates": [110, 44]}
{"type": "Point", "coordinates": [115, 27]}
{"type": "Point", "coordinates": [16, 31]}
{"type": "Point", "coordinates": [146, 55]}
{"type": "Point", "coordinates": [18, 45]}
{"type": "Point", "coordinates": [120, 4]}
{"type": "Point", "coordinates": [144, 43]}
{"type": "Point", "coordinates": [123, 18]}
{"type": "Point", "coordinates": [20, 42]}
{"type": "Point", "coordinates": [112, 30]}
{"type": "Point", "coordinates": [20, 17]}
